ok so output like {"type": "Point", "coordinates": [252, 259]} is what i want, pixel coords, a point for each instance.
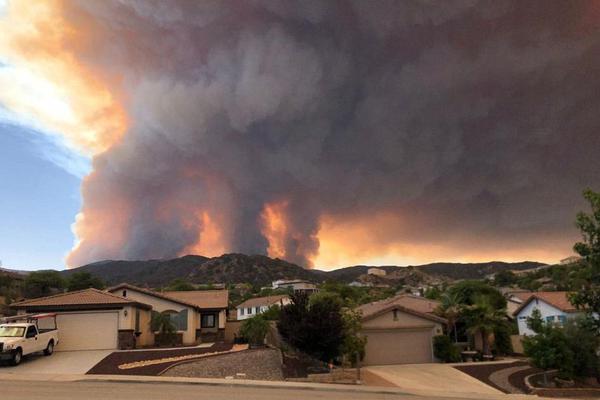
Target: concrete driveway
{"type": "Point", "coordinates": [433, 380]}
{"type": "Point", "coordinates": [61, 362]}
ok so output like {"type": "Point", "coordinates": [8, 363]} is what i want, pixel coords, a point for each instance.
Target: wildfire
{"type": "Point", "coordinates": [274, 228]}
{"type": "Point", "coordinates": [210, 241]}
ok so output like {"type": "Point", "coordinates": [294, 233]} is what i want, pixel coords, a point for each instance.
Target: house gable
{"type": "Point", "coordinates": [395, 318]}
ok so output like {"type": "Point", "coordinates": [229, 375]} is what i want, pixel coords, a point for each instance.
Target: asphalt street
{"type": "Point", "coordinates": [48, 390]}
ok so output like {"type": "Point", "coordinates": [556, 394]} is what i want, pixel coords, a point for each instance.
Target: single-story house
{"type": "Point", "coordinates": [554, 307]}
{"type": "Point", "coordinates": [257, 305]}
{"type": "Point", "coordinates": [400, 330]}
{"type": "Point", "coordinates": [92, 319]}
{"type": "Point", "coordinates": [297, 285]}
{"type": "Point", "coordinates": [198, 315]}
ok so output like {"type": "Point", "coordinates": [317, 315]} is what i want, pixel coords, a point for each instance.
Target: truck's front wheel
{"type": "Point", "coordinates": [50, 349]}
{"type": "Point", "coordinates": [17, 357]}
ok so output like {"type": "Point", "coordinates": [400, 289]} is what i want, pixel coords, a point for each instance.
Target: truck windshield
{"type": "Point", "coordinates": [11, 331]}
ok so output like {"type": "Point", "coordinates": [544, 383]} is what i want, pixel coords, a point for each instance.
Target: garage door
{"type": "Point", "coordinates": [398, 346]}
{"type": "Point", "coordinates": [87, 331]}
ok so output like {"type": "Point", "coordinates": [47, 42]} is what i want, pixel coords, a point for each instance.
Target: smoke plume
{"type": "Point", "coordinates": [313, 129]}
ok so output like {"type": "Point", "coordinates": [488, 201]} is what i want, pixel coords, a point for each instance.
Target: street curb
{"type": "Point", "coordinates": [246, 384]}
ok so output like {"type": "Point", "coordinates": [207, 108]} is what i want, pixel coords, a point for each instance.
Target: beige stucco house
{"type": "Point", "coordinates": [92, 319]}
{"type": "Point", "coordinates": [198, 315]}
{"type": "Point", "coordinates": [400, 330]}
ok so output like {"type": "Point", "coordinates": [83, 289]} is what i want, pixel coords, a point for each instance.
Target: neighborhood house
{"type": "Point", "coordinates": [296, 285]}
{"type": "Point", "coordinates": [252, 307]}
{"type": "Point", "coordinates": [554, 307]}
{"type": "Point", "coordinates": [400, 330]}
{"type": "Point", "coordinates": [198, 315]}
{"type": "Point", "coordinates": [91, 319]}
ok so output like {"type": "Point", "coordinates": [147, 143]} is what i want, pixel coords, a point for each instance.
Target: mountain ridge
{"type": "Point", "coordinates": [262, 270]}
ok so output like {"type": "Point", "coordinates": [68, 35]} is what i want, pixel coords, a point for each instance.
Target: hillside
{"type": "Point", "coordinates": [475, 270]}
{"type": "Point", "coordinates": [228, 268]}
{"type": "Point", "coordinates": [261, 270]}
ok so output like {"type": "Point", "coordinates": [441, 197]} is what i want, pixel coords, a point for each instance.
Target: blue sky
{"type": "Point", "coordinates": [40, 182]}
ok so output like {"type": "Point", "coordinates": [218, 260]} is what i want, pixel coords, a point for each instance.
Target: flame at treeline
{"type": "Point", "coordinates": [324, 133]}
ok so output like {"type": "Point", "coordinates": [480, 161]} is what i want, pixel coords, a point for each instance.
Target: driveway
{"type": "Point", "coordinates": [432, 380]}
{"type": "Point", "coordinates": [61, 362]}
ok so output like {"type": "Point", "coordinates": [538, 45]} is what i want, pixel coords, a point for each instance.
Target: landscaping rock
{"type": "Point", "coordinates": [259, 364]}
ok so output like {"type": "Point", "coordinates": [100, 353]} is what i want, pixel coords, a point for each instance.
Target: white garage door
{"type": "Point", "coordinates": [87, 331]}
{"type": "Point", "coordinates": [398, 346]}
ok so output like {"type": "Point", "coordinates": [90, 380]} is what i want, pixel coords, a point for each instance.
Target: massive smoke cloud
{"type": "Point", "coordinates": [455, 123]}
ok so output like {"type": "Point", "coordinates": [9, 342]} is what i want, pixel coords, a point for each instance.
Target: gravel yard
{"type": "Point", "coordinates": [259, 364]}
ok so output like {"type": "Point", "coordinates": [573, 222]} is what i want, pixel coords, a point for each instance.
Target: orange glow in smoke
{"type": "Point", "coordinates": [210, 242]}
{"type": "Point", "coordinates": [45, 81]}
{"type": "Point", "coordinates": [371, 241]}
{"type": "Point", "coordinates": [275, 228]}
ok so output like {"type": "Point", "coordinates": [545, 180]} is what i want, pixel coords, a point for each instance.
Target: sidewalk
{"type": "Point", "coordinates": [249, 383]}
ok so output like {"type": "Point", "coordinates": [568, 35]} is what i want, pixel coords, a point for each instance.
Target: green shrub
{"type": "Point", "coordinates": [502, 343]}
{"type": "Point", "coordinates": [254, 330]}
{"type": "Point", "coordinates": [444, 349]}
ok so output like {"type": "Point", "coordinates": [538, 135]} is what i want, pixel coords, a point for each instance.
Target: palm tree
{"type": "Point", "coordinates": [483, 318]}
{"type": "Point", "coordinates": [450, 308]}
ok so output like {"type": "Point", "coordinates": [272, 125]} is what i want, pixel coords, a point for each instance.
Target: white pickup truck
{"type": "Point", "coordinates": [27, 334]}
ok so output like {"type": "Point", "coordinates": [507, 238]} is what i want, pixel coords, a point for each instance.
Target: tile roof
{"type": "Point", "coordinates": [412, 304]}
{"type": "Point", "coordinates": [202, 298]}
{"type": "Point", "coordinates": [85, 297]}
{"type": "Point", "coordinates": [194, 298]}
{"type": "Point", "coordinates": [559, 300]}
{"type": "Point", "coordinates": [263, 301]}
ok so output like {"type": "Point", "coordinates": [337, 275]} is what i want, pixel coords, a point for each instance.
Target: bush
{"type": "Point", "coordinates": [502, 343]}
{"type": "Point", "coordinates": [254, 330]}
{"type": "Point", "coordinates": [272, 313]}
{"type": "Point", "coordinates": [444, 349]}
{"type": "Point", "coordinates": [315, 327]}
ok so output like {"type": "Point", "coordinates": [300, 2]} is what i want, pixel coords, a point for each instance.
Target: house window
{"type": "Point", "coordinates": [124, 293]}
{"type": "Point", "coordinates": [207, 321]}
{"type": "Point", "coordinates": [550, 318]}
{"type": "Point", "coordinates": [249, 310]}
{"type": "Point", "coordinates": [257, 309]}
{"type": "Point", "coordinates": [178, 320]}
{"type": "Point", "coordinates": [562, 319]}
{"type": "Point", "coordinates": [242, 311]}
{"type": "Point", "coordinates": [395, 315]}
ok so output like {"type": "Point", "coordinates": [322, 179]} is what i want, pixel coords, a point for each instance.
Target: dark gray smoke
{"type": "Point", "coordinates": [475, 121]}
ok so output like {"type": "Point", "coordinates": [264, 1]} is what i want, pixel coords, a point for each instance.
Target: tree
{"type": "Point", "coordinates": [548, 348]}
{"type": "Point", "coordinates": [467, 292]}
{"type": "Point", "coordinates": [588, 295]}
{"type": "Point", "coordinates": [450, 308]}
{"type": "Point", "coordinates": [353, 345]}
{"type": "Point", "coordinates": [272, 313]}
{"type": "Point", "coordinates": [505, 278]}
{"type": "Point", "coordinates": [483, 317]}
{"type": "Point", "coordinates": [254, 330]}
{"type": "Point", "coordinates": [162, 323]}
{"type": "Point", "coordinates": [314, 326]}
{"type": "Point", "coordinates": [83, 280]}
{"type": "Point", "coordinates": [43, 283]}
